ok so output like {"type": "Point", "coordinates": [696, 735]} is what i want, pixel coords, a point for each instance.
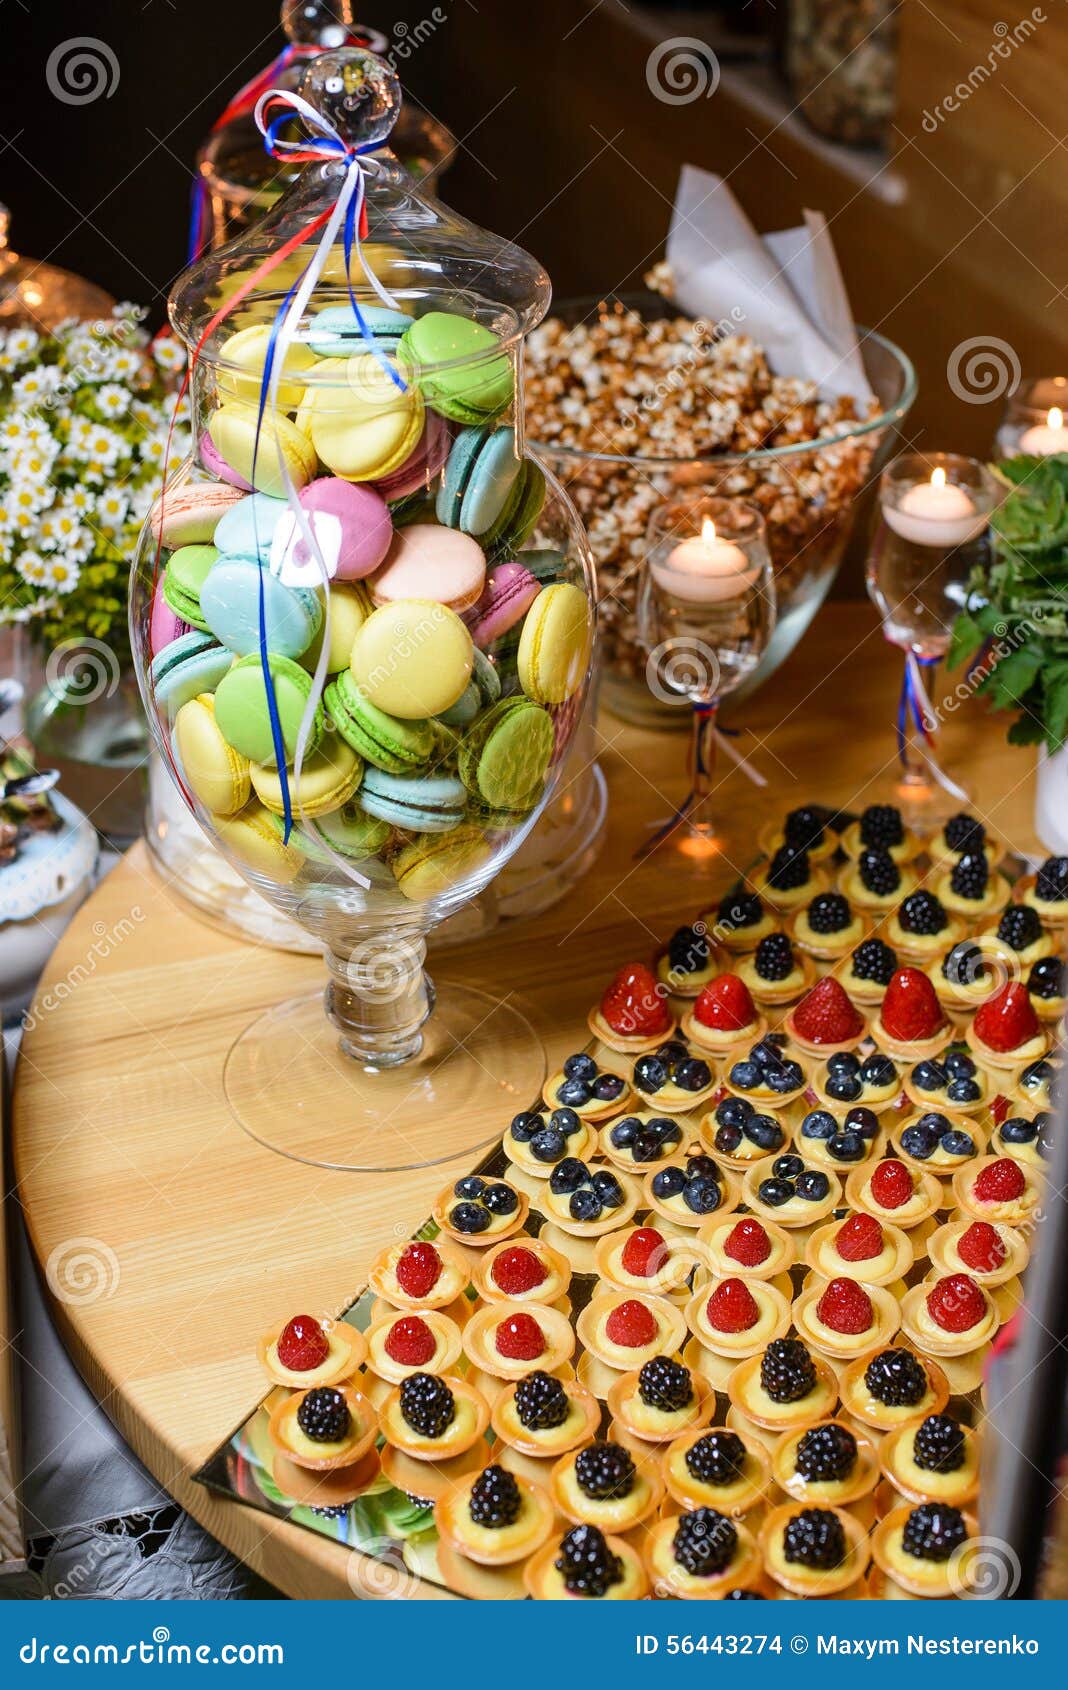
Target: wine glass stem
{"type": "Point", "coordinates": [917, 752]}
{"type": "Point", "coordinates": [702, 750]}
{"type": "Point", "coordinates": [379, 998]}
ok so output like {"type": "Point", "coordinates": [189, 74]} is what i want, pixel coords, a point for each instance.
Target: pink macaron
{"type": "Point", "coordinates": [216, 464]}
{"type": "Point", "coordinates": [508, 594]}
{"type": "Point", "coordinates": [188, 515]}
{"type": "Point", "coordinates": [163, 625]}
{"type": "Point", "coordinates": [426, 462]}
{"type": "Point", "coordinates": [352, 528]}
{"type": "Point", "coordinates": [429, 562]}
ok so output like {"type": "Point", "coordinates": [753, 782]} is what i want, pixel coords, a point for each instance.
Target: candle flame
{"type": "Point", "coordinates": [1054, 417]}
{"type": "Point", "coordinates": [938, 478]}
{"type": "Point", "coordinates": [708, 530]}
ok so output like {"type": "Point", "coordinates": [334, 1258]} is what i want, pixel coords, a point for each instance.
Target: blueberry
{"type": "Point", "coordinates": [580, 1067]}
{"type": "Point", "coordinates": [728, 1139]}
{"type": "Point", "coordinates": [585, 1205]}
{"type": "Point", "coordinates": [878, 1070]}
{"type": "Point", "coordinates": [818, 1123]}
{"type": "Point", "coordinates": [844, 1088]}
{"type": "Point", "coordinates": [765, 1053]}
{"type": "Point", "coordinates": [607, 1188]}
{"type": "Point", "coordinates": [702, 1167]}
{"type": "Point", "coordinates": [469, 1217]}
{"type": "Point", "coordinates": [693, 1074]}
{"type": "Point", "coordinates": [843, 1062]}
{"type": "Point", "coordinates": [525, 1125]}
{"type": "Point", "coordinates": [574, 1093]}
{"type": "Point", "coordinates": [607, 1087]}
{"type": "Point", "coordinates": [702, 1196]}
{"type": "Point", "coordinates": [671, 1052]}
{"type": "Point", "coordinates": [813, 1185]}
{"type": "Point", "coordinates": [929, 1076]}
{"type": "Point", "coordinates": [775, 1192]}
{"type": "Point", "coordinates": [959, 1064]}
{"type": "Point", "coordinates": [958, 1143]}
{"type": "Point", "coordinates": [846, 1147]}
{"type": "Point", "coordinates": [647, 1147]}
{"type": "Point", "coordinates": [919, 1141]}
{"type": "Point", "coordinates": [936, 1121]}
{"type": "Point", "coordinates": [733, 1111]}
{"type": "Point", "coordinates": [548, 1145]}
{"type": "Point", "coordinates": [964, 1090]}
{"type": "Point", "coordinates": [765, 1133]}
{"type": "Point", "coordinates": [1044, 1123]}
{"type": "Point", "coordinates": [788, 1076]}
{"type": "Point", "coordinates": [862, 1121]}
{"type": "Point", "coordinates": [471, 1186]}
{"type": "Point", "coordinates": [565, 1121]}
{"type": "Point", "coordinates": [625, 1132]}
{"type": "Point", "coordinates": [500, 1199]}
{"type": "Point", "coordinates": [568, 1175]}
{"type": "Point", "coordinates": [650, 1073]}
{"type": "Point", "coordinates": [788, 1166]}
{"type": "Point", "coordinates": [668, 1183]}
{"type": "Point", "coordinates": [664, 1129]}
{"type": "Point", "coordinates": [746, 1075]}
{"type": "Point", "coordinates": [1017, 1130]}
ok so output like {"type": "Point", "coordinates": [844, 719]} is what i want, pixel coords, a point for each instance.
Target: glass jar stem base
{"type": "Point", "coordinates": [379, 999]}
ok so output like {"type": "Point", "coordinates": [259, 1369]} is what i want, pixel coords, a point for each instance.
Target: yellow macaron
{"type": "Point", "coordinates": [328, 780]}
{"type": "Point", "coordinates": [349, 607]}
{"type": "Point", "coordinates": [243, 438]}
{"type": "Point", "coordinates": [412, 658]}
{"type": "Point", "coordinates": [364, 426]}
{"type": "Point", "coordinates": [254, 838]}
{"type": "Point", "coordinates": [554, 647]}
{"type": "Point", "coordinates": [246, 354]}
{"type": "Point", "coordinates": [216, 774]}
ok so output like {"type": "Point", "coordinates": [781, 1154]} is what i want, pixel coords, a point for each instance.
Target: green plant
{"type": "Point", "coordinates": [1017, 604]}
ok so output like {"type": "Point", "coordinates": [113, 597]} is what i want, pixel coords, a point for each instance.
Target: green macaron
{"type": "Point", "coordinates": [505, 754]}
{"type": "Point", "coordinates": [461, 373]}
{"type": "Point", "coordinates": [384, 741]}
{"type": "Point", "coordinates": [187, 570]}
{"type": "Point", "coordinates": [242, 712]}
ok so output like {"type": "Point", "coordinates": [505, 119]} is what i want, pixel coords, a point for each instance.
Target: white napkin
{"type": "Point", "coordinates": [784, 290]}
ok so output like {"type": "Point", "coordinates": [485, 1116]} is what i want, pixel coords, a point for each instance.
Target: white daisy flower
{"type": "Point", "coordinates": [169, 353]}
{"type": "Point", "coordinates": [22, 343]}
{"type": "Point", "coordinates": [111, 509]}
{"type": "Point", "coordinates": [36, 385]}
{"type": "Point", "coordinates": [60, 573]}
{"type": "Point", "coordinates": [123, 363]}
{"type": "Point", "coordinates": [29, 494]}
{"type": "Point", "coordinates": [79, 500]}
{"type": "Point", "coordinates": [112, 399]}
{"type": "Point", "coordinates": [31, 566]}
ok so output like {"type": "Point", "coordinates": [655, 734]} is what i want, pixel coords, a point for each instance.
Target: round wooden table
{"type": "Point", "coordinates": [197, 1238]}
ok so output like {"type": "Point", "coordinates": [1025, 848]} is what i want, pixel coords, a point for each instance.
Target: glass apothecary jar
{"type": "Point", "coordinates": [841, 63]}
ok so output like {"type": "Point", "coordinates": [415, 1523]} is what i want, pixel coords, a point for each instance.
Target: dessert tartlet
{"type": "Point", "coordinates": [993, 1253]}
{"type": "Point", "coordinates": [825, 1021]}
{"type": "Point", "coordinates": [782, 1390]}
{"type": "Point", "coordinates": [843, 1319]}
{"type": "Point", "coordinates": [494, 1519]}
{"type": "Point", "coordinates": [672, 1078]}
{"type": "Point", "coordinates": [813, 1551]}
{"type": "Point", "coordinates": [865, 973]}
{"type": "Point", "coordinates": [733, 1319]}
{"type": "Point", "coordinates": [807, 828]}
{"type": "Point", "coordinates": [688, 961]}
{"type": "Point", "coordinates": [953, 1319]}
{"type": "Point", "coordinates": [860, 1247]}
{"type": "Point", "coordinates": [587, 1566]}
{"type": "Point", "coordinates": [1047, 987]}
{"type": "Point", "coordinates": [642, 1140]}
{"type": "Point", "coordinates": [1047, 891]}
{"type": "Point", "coordinates": [634, 1014]}
{"type": "Point", "coordinates": [870, 1082]}
{"type": "Point", "coordinates": [775, 973]}
{"type": "Point", "coordinates": [508, 1339]}
{"type": "Point", "coordinates": [893, 1387]}
{"type": "Point", "coordinates": [324, 1442]}
{"type": "Point", "coordinates": [973, 889]}
{"type": "Point", "coordinates": [740, 1134]}
{"type": "Point", "coordinates": [881, 827]}
{"type": "Point", "coordinates": [962, 835]}
{"type": "Point", "coordinates": [953, 1083]}
{"type": "Point", "coordinates": [788, 879]}
{"type": "Point", "coordinates": [998, 1188]}
{"type": "Point", "coordinates": [920, 928]}
{"type": "Point", "coordinates": [688, 1190]}
{"type": "Point", "coordinates": [768, 1073]}
{"type": "Point", "coordinates": [740, 922]}
{"type": "Point", "coordinates": [582, 1085]}
{"type": "Point", "coordinates": [893, 1192]}
{"type": "Point", "coordinates": [522, 1270]}
{"type": "Point", "coordinates": [923, 1550]}
{"type": "Point", "coordinates": [542, 1417]}
{"type": "Point", "coordinates": [1005, 1031]}
{"type": "Point", "coordinates": [588, 1199]}
{"type": "Point", "coordinates": [660, 1401]}
{"type": "Point", "coordinates": [478, 1212]}
{"type": "Point", "coordinates": [911, 1023]}
{"type": "Point", "coordinates": [827, 1466]}
{"type": "Point", "coordinates": [971, 971]}
{"type": "Point", "coordinates": [934, 1142]}
{"type": "Point", "coordinates": [743, 1244]}
{"type": "Point", "coordinates": [827, 928]}
{"type": "Point", "coordinates": [399, 1344]}
{"type": "Point", "coordinates": [723, 1016]}
{"type": "Point", "coordinates": [716, 1469]}
{"type": "Point", "coordinates": [624, 1330]}
{"type": "Point", "coordinates": [1023, 1140]}
{"type": "Point", "coordinates": [838, 1142]}
{"type": "Point", "coordinates": [307, 1351]}
{"type": "Point", "coordinates": [434, 1419]}
{"type": "Point", "coordinates": [875, 884]}
{"type": "Point", "coordinates": [1034, 1087]}
{"type": "Point", "coordinates": [793, 1193]}
{"type": "Point", "coordinates": [603, 1485]}
{"type": "Point", "coordinates": [536, 1142]}
{"type": "Point", "coordinates": [700, 1556]}
{"type": "Point", "coordinates": [419, 1275]}
{"type": "Point", "coordinates": [936, 1460]}
{"type": "Point", "coordinates": [641, 1258]}
{"type": "Point", "coordinates": [1019, 935]}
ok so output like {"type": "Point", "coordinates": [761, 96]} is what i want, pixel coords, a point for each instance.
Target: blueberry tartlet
{"type": "Point", "coordinates": [869, 1082]}
{"type": "Point", "coordinates": [767, 1073]}
{"type": "Point", "coordinates": [537, 1140]}
{"type": "Point", "coordinates": [592, 1092]}
{"type": "Point", "coordinates": [672, 1077]}
{"type": "Point", "coordinates": [827, 927]}
{"type": "Point", "coordinates": [935, 1142]}
{"type": "Point", "coordinates": [1027, 1140]}
{"type": "Point", "coordinates": [840, 1140]}
{"type": "Point", "coordinates": [587, 1198]}
{"type": "Point", "coordinates": [478, 1212]}
{"type": "Point", "coordinates": [637, 1142]}
{"type": "Point", "coordinates": [688, 1190]}
{"type": "Point", "coordinates": [1036, 1084]}
{"type": "Point", "coordinates": [791, 1192]}
{"type": "Point", "coordinates": [952, 1082]}
{"type": "Point", "coordinates": [740, 1134]}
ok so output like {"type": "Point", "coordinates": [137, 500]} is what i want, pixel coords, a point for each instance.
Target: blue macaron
{"type": "Point", "coordinates": [421, 803]}
{"type": "Point", "coordinates": [335, 333]}
{"type": "Point", "coordinates": [230, 603]}
{"type": "Point", "coordinates": [479, 477]}
{"type": "Point", "coordinates": [247, 528]}
{"type": "Point", "coordinates": [482, 689]}
{"type": "Point", "coordinates": [192, 664]}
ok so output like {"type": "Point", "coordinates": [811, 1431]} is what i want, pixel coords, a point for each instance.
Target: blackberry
{"type": "Point", "coordinates": [716, 1459]}
{"type": "Point", "coordinates": [829, 913]}
{"type": "Point", "coordinates": [1019, 927]}
{"type": "Point", "coordinates": [764, 1132]}
{"type": "Point", "coordinates": [938, 1445]}
{"type": "Point", "coordinates": [933, 1531]}
{"type": "Point", "coordinates": [819, 1123]}
{"type": "Point", "coordinates": [878, 1070]}
{"type": "Point", "coordinates": [879, 874]}
{"type": "Point", "coordinates": [1051, 881]}
{"type": "Point", "coordinates": [500, 1199]}
{"type": "Point", "coordinates": [704, 1542]}
{"type": "Point", "coordinates": [862, 1121]}
{"type": "Point", "coordinates": [814, 1538]}
{"type": "Point", "coordinates": [813, 1185]}
{"type": "Point", "coordinates": [746, 1075]}
{"type": "Point", "coordinates": [874, 960]}
{"type": "Point", "coordinates": [427, 1404]}
{"type": "Point", "coordinates": [970, 876]}
{"type": "Point", "coordinates": [740, 909]}
{"type": "Point", "coordinates": [788, 868]}
{"type": "Point", "coordinates": [605, 1471]}
{"type": "Point", "coordinates": [688, 951]}
{"type": "Point", "coordinates": [774, 958]}
{"type": "Point", "coordinates": [826, 1452]}
{"type": "Point", "coordinates": [525, 1125]}
{"type": "Point", "coordinates": [963, 833]}
{"type": "Point", "coordinates": [541, 1402]}
{"type": "Point", "coordinates": [581, 1066]}
{"type": "Point", "coordinates": [733, 1111]}
{"type": "Point", "coordinates": [1047, 979]}
{"type": "Point", "coordinates": [922, 913]}
{"type": "Point", "coordinates": [787, 1371]}
{"type": "Point", "coordinates": [323, 1415]}
{"type": "Point", "coordinates": [495, 1498]}
{"type": "Point", "coordinates": [585, 1205]}
{"type": "Point", "coordinates": [586, 1564]}
{"type": "Point", "coordinates": [567, 1176]}
{"type": "Point", "coordinates": [846, 1147]}
{"type": "Point", "coordinates": [881, 826]}
{"type": "Point", "coordinates": [469, 1217]}
{"type": "Point", "coordinates": [804, 827]}
{"type": "Point", "coordinates": [896, 1379]}
{"type": "Point", "coordinates": [665, 1384]}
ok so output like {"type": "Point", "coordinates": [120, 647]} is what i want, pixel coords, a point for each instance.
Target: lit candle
{"type": "Point", "coordinates": [704, 569]}
{"type": "Point", "coordinates": [1044, 439]}
{"type": "Point", "coordinates": [935, 513]}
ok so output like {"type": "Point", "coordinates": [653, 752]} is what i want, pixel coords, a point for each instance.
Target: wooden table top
{"type": "Point", "coordinates": [125, 1149]}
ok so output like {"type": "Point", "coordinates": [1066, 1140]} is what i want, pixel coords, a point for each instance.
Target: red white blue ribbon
{"type": "Point", "coordinates": [915, 706]}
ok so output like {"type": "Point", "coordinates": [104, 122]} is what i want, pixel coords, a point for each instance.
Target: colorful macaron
{"type": "Point", "coordinates": [426, 561]}
{"type": "Point", "coordinates": [189, 513]}
{"type": "Point", "coordinates": [351, 527]}
{"type": "Point", "coordinates": [191, 664]}
{"type": "Point", "coordinates": [366, 425]}
{"type": "Point", "coordinates": [243, 713]}
{"type": "Point", "coordinates": [482, 690]}
{"type": "Point", "coordinates": [385, 741]}
{"type": "Point", "coordinates": [554, 649]}
{"type": "Point", "coordinates": [328, 778]}
{"type": "Point", "coordinates": [431, 864]}
{"type": "Point", "coordinates": [216, 774]}
{"type": "Point", "coordinates": [505, 755]}
{"type": "Point", "coordinates": [459, 367]}
{"type": "Point", "coordinates": [336, 332]}
{"type": "Point", "coordinates": [482, 470]}
{"type": "Point", "coordinates": [187, 570]}
{"type": "Point", "coordinates": [246, 529]}
{"type": "Point", "coordinates": [432, 803]}
{"type": "Point", "coordinates": [509, 592]}
{"type": "Point", "coordinates": [251, 447]}
{"type": "Point", "coordinates": [239, 599]}
{"type": "Point", "coordinates": [412, 658]}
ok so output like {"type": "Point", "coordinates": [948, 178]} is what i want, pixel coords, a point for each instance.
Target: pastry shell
{"type": "Point", "coordinates": [681, 1255]}
{"type": "Point", "coordinates": [669, 1579]}
{"type": "Point", "coordinates": [894, 1262]}
{"type": "Point", "coordinates": [942, 1250]}
{"type": "Point", "coordinates": [1014, 1213]}
{"type": "Point", "coordinates": [956, 1489]}
{"type": "Point", "coordinates": [642, 1422]}
{"type": "Point", "coordinates": [551, 1289]}
{"type": "Point", "coordinates": [923, 1578]}
{"type": "Point", "coordinates": [711, 1041]}
{"type": "Point", "coordinates": [747, 1492]}
{"type": "Point", "coordinates": [359, 1442]}
{"type": "Point", "coordinates": [628, 1044]}
{"type": "Point", "coordinates": [748, 1398]}
{"type": "Point", "coordinates": [644, 1499]}
{"type": "Point", "coordinates": [858, 1401]}
{"type": "Point", "coordinates": [813, 1581]}
{"type": "Point", "coordinates": [671, 1330]}
{"type": "Point", "coordinates": [545, 1584]}
{"type": "Point", "coordinates": [845, 1346]}
{"type": "Point", "coordinates": [477, 1543]}
{"type": "Point", "coordinates": [447, 1340]}
{"type": "Point", "coordinates": [824, 1493]}
{"type": "Point", "coordinates": [580, 1427]}
{"type": "Point", "coordinates": [714, 1234]}
{"type": "Point", "coordinates": [447, 1200]}
{"type": "Point", "coordinates": [452, 1281]}
{"type": "Point", "coordinates": [1021, 1057]}
{"type": "Point", "coordinates": [482, 1353]}
{"type": "Point", "coordinates": [344, 1357]}
{"type": "Point", "coordinates": [399, 1434]}
{"type": "Point", "coordinates": [923, 1334]}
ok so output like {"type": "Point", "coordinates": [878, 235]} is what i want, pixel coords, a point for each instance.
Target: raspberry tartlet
{"type": "Point", "coordinates": [1005, 1031]}
{"type": "Point", "coordinates": [993, 1253]}
{"type": "Point", "coordinates": [399, 1344]}
{"type": "Point", "coordinates": [508, 1339]}
{"type": "Point", "coordinates": [825, 1020]}
{"type": "Point", "coordinates": [723, 1017]}
{"type": "Point", "coordinates": [841, 1318]}
{"type": "Point", "coordinates": [953, 1319]}
{"type": "Point", "coordinates": [621, 1331]}
{"type": "Point", "coordinates": [642, 1258]}
{"type": "Point", "coordinates": [634, 1014]}
{"type": "Point", "coordinates": [733, 1319]}
{"type": "Point", "coordinates": [743, 1244]}
{"type": "Point", "coordinates": [860, 1247]}
{"type": "Point", "coordinates": [523, 1270]}
{"type": "Point", "coordinates": [998, 1189]}
{"type": "Point", "coordinates": [892, 1192]}
{"type": "Point", "coordinates": [309, 1351]}
{"type": "Point", "coordinates": [911, 1022]}
{"type": "Point", "coordinates": [419, 1275]}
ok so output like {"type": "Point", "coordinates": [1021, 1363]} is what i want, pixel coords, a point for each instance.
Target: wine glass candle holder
{"type": "Point", "coordinates": [1034, 422]}
{"type": "Point", "coordinates": [706, 610]}
{"type": "Point", "coordinates": [932, 531]}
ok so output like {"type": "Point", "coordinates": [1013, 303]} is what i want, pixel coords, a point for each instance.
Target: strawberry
{"type": "Point", "coordinates": [999, 1182]}
{"type": "Point", "coordinates": [302, 1344]}
{"type": "Point", "coordinates": [999, 1109]}
{"type": "Point", "coordinates": [631, 1325]}
{"type": "Point", "coordinates": [911, 1010]}
{"type": "Point", "coordinates": [891, 1184]}
{"type": "Point", "coordinates": [410, 1342]}
{"type": "Point", "coordinates": [846, 1307]}
{"type": "Point", "coordinates": [825, 1015]}
{"type": "Point", "coordinates": [517, 1270]}
{"type": "Point", "coordinates": [1006, 1021]}
{"type": "Point", "coordinates": [859, 1239]}
{"type": "Point", "coordinates": [732, 1307]}
{"type": "Point", "coordinates": [956, 1303]}
{"type": "Point", "coordinates": [418, 1269]}
{"type": "Point", "coordinates": [982, 1248]}
{"type": "Point", "coordinates": [635, 1004]}
{"type": "Point", "coordinates": [644, 1253]}
{"type": "Point", "coordinates": [725, 1005]}
{"type": "Point", "coordinates": [520, 1338]}
{"type": "Point", "coordinates": [748, 1243]}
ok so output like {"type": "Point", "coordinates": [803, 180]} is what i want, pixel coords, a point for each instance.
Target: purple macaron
{"type": "Point", "coordinates": [164, 626]}
{"type": "Point", "coordinates": [507, 596]}
{"type": "Point", "coordinates": [421, 467]}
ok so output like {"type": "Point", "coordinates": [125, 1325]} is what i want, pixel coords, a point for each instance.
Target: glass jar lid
{"type": "Point", "coordinates": [43, 294]}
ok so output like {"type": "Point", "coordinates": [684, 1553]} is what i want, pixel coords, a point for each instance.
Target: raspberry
{"type": "Point", "coordinates": [635, 1003]}
{"type": "Point", "coordinates": [732, 1307]}
{"type": "Point", "coordinates": [846, 1307]}
{"type": "Point", "coordinates": [519, 1338]}
{"type": "Point", "coordinates": [748, 1243]}
{"type": "Point", "coordinates": [911, 1010]}
{"type": "Point", "coordinates": [956, 1303]}
{"type": "Point", "coordinates": [631, 1325]}
{"type": "Point", "coordinates": [418, 1269]}
{"type": "Point", "coordinates": [859, 1239]}
{"type": "Point", "coordinates": [1007, 1020]}
{"type": "Point", "coordinates": [825, 1015]}
{"type": "Point", "coordinates": [982, 1248]}
{"type": "Point", "coordinates": [999, 1182]}
{"type": "Point", "coordinates": [891, 1184]}
{"type": "Point", "coordinates": [302, 1344]}
{"type": "Point", "coordinates": [644, 1253]}
{"type": "Point", "coordinates": [410, 1342]}
{"type": "Point", "coordinates": [517, 1270]}
{"type": "Point", "coordinates": [725, 1005]}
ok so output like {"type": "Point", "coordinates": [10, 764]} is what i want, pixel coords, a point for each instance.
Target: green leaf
{"type": "Point", "coordinates": [1013, 676]}
{"type": "Point", "coordinates": [966, 640]}
{"type": "Point", "coordinates": [1025, 731]}
{"type": "Point", "coordinates": [1055, 706]}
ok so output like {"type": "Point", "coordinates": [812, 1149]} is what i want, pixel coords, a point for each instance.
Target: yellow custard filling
{"type": "Point", "coordinates": [461, 1428]}
{"type": "Point", "coordinates": [499, 1542]}
{"type": "Point", "coordinates": [327, 1368]}
{"type": "Point", "coordinates": [614, 1513]}
{"type": "Point", "coordinates": [939, 1487]}
{"type": "Point", "coordinates": [639, 1416]}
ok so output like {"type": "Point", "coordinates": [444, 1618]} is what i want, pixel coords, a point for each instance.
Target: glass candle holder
{"type": "Point", "coordinates": [1035, 419]}
{"type": "Point", "coordinates": [706, 610]}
